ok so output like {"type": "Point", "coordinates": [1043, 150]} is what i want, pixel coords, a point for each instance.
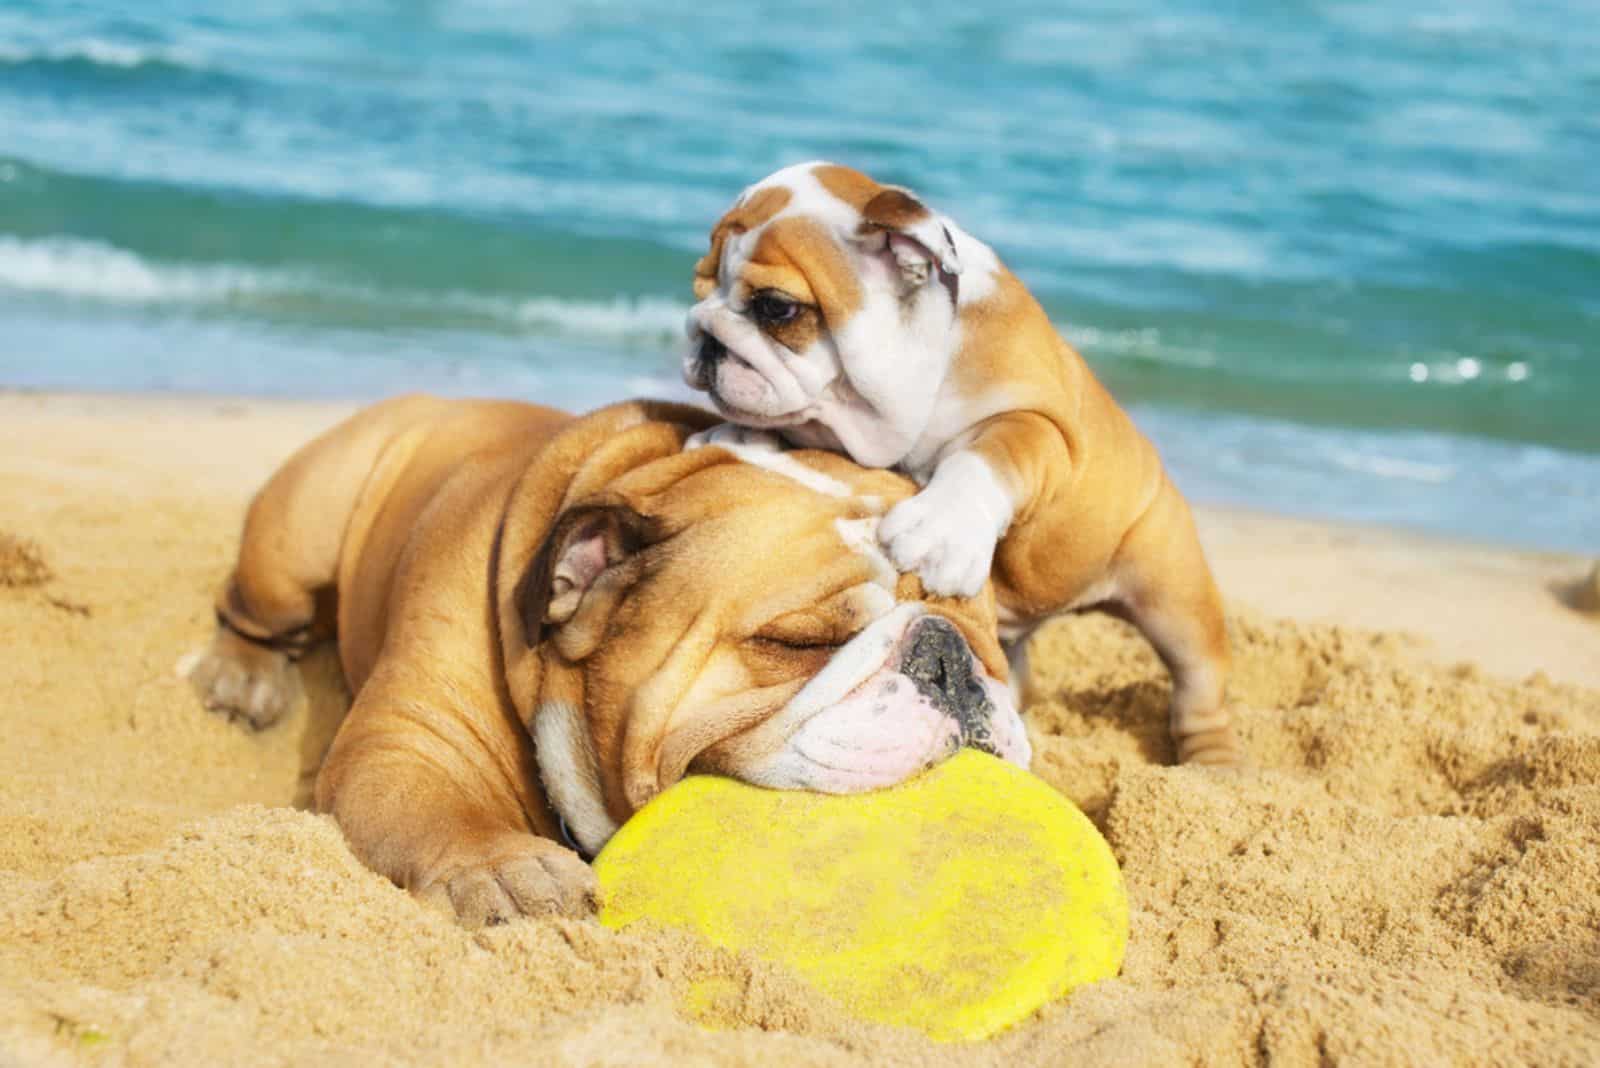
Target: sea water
{"type": "Point", "coordinates": [1340, 259]}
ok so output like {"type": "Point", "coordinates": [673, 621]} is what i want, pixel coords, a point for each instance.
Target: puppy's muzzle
{"type": "Point", "coordinates": [939, 663]}
{"type": "Point", "coordinates": [710, 353]}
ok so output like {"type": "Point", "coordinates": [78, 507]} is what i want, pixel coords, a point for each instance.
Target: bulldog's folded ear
{"type": "Point", "coordinates": [916, 237]}
{"type": "Point", "coordinates": [585, 544]}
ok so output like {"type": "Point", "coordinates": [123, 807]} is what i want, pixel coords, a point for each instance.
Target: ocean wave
{"type": "Point", "coordinates": [1142, 343]}
{"type": "Point", "coordinates": [1392, 467]}
{"type": "Point", "coordinates": [88, 270]}
{"type": "Point", "coordinates": [642, 318]}
{"type": "Point", "coordinates": [70, 267]}
{"type": "Point", "coordinates": [98, 52]}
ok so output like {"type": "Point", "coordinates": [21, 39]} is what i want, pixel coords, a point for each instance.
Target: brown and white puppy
{"type": "Point", "coordinates": [546, 620]}
{"type": "Point", "coordinates": [844, 314]}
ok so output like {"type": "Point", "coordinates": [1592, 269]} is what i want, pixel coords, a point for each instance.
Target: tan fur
{"type": "Point", "coordinates": [848, 184]}
{"type": "Point", "coordinates": [746, 215]}
{"type": "Point", "coordinates": [1094, 510]}
{"type": "Point", "coordinates": [1094, 504]}
{"type": "Point", "coordinates": [429, 530]}
{"type": "Point", "coordinates": [892, 209]}
{"type": "Point", "coordinates": [797, 258]}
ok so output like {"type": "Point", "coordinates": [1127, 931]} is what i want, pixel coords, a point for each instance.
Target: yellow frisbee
{"type": "Point", "coordinates": [957, 903]}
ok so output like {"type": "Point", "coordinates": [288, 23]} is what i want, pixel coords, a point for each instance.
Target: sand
{"type": "Point", "coordinates": [1409, 874]}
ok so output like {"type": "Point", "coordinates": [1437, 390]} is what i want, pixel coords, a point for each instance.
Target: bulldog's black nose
{"type": "Point", "coordinates": [710, 353]}
{"type": "Point", "coordinates": [938, 661]}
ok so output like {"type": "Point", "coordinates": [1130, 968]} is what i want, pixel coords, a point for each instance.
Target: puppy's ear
{"type": "Point", "coordinates": [915, 237]}
{"type": "Point", "coordinates": [586, 544]}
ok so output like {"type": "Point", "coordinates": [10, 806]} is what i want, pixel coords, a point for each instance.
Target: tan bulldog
{"type": "Point", "coordinates": [546, 620]}
{"type": "Point", "coordinates": [844, 314]}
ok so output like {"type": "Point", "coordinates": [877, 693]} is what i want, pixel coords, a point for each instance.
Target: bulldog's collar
{"type": "Point", "coordinates": [293, 644]}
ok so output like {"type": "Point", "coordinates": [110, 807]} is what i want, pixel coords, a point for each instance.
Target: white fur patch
{"type": "Point", "coordinates": [809, 197]}
{"type": "Point", "coordinates": [980, 274]}
{"type": "Point", "coordinates": [764, 450]}
{"type": "Point", "coordinates": [853, 664]}
{"type": "Point", "coordinates": [188, 662]}
{"type": "Point", "coordinates": [861, 536]}
{"type": "Point", "coordinates": [877, 601]}
{"type": "Point", "coordinates": [570, 773]}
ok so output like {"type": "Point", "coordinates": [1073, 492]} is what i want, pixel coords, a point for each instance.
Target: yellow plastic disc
{"type": "Point", "coordinates": [957, 903]}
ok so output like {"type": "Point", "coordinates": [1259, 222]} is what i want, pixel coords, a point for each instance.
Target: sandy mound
{"type": "Point", "coordinates": [21, 563]}
{"type": "Point", "coordinates": [1408, 875]}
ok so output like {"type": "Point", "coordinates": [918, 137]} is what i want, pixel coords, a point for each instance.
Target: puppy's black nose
{"type": "Point", "coordinates": [710, 353]}
{"type": "Point", "coordinates": [938, 662]}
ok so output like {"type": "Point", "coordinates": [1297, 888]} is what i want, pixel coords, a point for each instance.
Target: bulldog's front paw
{"type": "Point", "coordinates": [511, 875]}
{"type": "Point", "coordinates": [248, 683]}
{"type": "Point", "coordinates": [947, 533]}
{"type": "Point", "coordinates": [940, 540]}
{"type": "Point", "coordinates": [735, 436]}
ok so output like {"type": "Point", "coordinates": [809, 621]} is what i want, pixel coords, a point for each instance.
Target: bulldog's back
{"type": "Point", "coordinates": [424, 446]}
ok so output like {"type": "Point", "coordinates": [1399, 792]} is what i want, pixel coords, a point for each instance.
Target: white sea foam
{"type": "Point", "coordinates": [1392, 467]}
{"type": "Point", "coordinates": [70, 267]}
{"type": "Point", "coordinates": [103, 53]}
{"type": "Point", "coordinates": [641, 319]}
{"type": "Point", "coordinates": [88, 270]}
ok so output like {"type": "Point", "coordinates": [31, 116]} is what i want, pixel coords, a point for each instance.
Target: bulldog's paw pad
{"type": "Point", "coordinates": [246, 683]}
{"type": "Point", "coordinates": [533, 877]}
{"type": "Point", "coordinates": [940, 542]}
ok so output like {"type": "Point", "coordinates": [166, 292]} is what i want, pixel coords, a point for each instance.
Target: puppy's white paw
{"type": "Point", "coordinates": [947, 533]}
{"type": "Point", "coordinates": [734, 436]}
{"type": "Point", "coordinates": [936, 538]}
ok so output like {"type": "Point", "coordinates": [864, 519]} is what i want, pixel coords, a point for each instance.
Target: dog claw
{"type": "Point", "coordinates": [516, 875]}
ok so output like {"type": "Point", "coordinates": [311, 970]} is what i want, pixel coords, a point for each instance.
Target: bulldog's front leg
{"type": "Point", "coordinates": [433, 794]}
{"type": "Point", "coordinates": [947, 533]}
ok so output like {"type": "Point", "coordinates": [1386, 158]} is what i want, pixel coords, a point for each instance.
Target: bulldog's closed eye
{"type": "Point", "coordinates": [806, 630]}
{"type": "Point", "coordinates": [770, 307]}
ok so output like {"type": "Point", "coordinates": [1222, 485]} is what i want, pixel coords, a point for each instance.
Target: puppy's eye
{"type": "Point", "coordinates": [773, 308]}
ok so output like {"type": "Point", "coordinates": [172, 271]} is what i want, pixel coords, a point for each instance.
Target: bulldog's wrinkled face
{"type": "Point", "coordinates": [704, 614]}
{"type": "Point", "coordinates": [826, 307]}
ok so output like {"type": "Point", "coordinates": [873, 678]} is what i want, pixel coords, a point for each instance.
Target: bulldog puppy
{"type": "Point", "coordinates": [844, 314]}
{"type": "Point", "coordinates": [546, 620]}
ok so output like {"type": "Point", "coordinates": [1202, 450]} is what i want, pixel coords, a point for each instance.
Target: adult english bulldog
{"type": "Point", "coordinates": [546, 620]}
{"type": "Point", "coordinates": [843, 314]}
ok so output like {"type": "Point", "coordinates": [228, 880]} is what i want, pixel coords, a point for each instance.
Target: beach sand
{"type": "Point", "coordinates": [1410, 873]}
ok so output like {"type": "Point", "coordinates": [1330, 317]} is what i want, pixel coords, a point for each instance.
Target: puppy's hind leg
{"type": "Point", "coordinates": [1168, 593]}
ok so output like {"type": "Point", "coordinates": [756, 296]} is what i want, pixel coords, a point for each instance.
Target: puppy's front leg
{"type": "Point", "coordinates": [426, 782]}
{"type": "Point", "coordinates": [947, 533]}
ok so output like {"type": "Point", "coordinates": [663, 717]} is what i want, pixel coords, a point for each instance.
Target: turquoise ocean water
{"type": "Point", "coordinates": [1341, 259]}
